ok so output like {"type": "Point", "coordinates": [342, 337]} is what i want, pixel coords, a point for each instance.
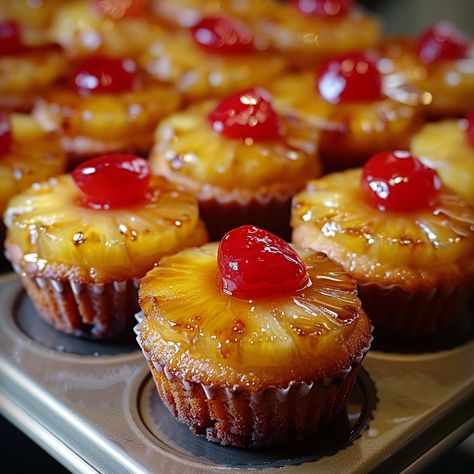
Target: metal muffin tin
{"type": "Point", "coordinates": [93, 406]}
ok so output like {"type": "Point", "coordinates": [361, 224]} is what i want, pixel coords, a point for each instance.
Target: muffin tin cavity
{"type": "Point", "coordinates": [32, 325]}
{"type": "Point", "coordinates": [176, 438]}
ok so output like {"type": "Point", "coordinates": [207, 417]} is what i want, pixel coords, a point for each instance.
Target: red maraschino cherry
{"type": "Point", "coordinates": [103, 75]}
{"type": "Point", "coordinates": [396, 181]}
{"type": "Point", "coordinates": [10, 39]}
{"type": "Point", "coordinates": [443, 42]}
{"type": "Point", "coordinates": [117, 9]}
{"type": "Point", "coordinates": [218, 35]}
{"type": "Point", "coordinates": [254, 263]}
{"type": "Point", "coordinates": [349, 78]}
{"type": "Point", "coordinates": [324, 8]}
{"type": "Point", "coordinates": [5, 133]}
{"type": "Point", "coordinates": [470, 128]}
{"type": "Point", "coordinates": [113, 181]}
{"type": "Point", "coordinates": [246, 114]}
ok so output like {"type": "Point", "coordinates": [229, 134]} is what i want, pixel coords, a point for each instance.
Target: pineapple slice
{"type": "Point", "coordinates": [197, 74]}
{"type": "Point", "coordinates": [188, 151]}
{"type": "Point", "coordinates": [26, 75]}
{"type": "Point", "coordinates": [430, 245]}
{"type": "Point", "coordinates": [81, 31]}
{"type": "Point", "coordinates": [107, 122]}
{"type": "Point", "coordinates": [348, 129]}
{"type": "Point", "coordinates": [444, 147]}
{"type": "Point", "coordinates": [51, 233]}
{"type": "Point", "coordinates": [36, 155]}
{"type": "Point", "coordinates": [201, 334]}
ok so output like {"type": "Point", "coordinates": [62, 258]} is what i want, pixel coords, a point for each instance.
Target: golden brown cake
{"type": "Point", "coordinates": [439, 62]}
{"type": "Point", "coordinates": [212, 59]}
{"type": "Point", "coordinates": [408, 241]}
{"type": "Point", "coordinates": [107, 107]}
{"type": "Point", "coordinates": [80, 244]}
{"type": "Point", "coordinates": [116, 29]}
{"type": "Point", "coordinates": [242, 160]}
{"type": "Point", "coordinates": [446, 147]}
{"type": "Point", "coordinates": [250, 343]}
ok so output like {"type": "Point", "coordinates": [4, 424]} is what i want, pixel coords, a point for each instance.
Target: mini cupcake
{"type": "Point", "coordinates": [408, 241]}
{"type": "Point", "coordinates": [26, 70]}
{"type": "Point", "coordinates": [80, 245]}
{"type": "Point", "coordinates": [242, 160]}
{"type": "Point", "coordinates": [440, 62]}
{"type": "Point", "coordinates": [107, 107]}
{"type": "Point", "coordinates": [250, 343]}
{"type": "Point", "coordinates": [215, 57]}
{"type": "Point", "coordinates": [448, 147]}
{"type": "Point", "coordinates": [305, 31]}
{"type": "Point", "coordinates": [27, 155]}
{"type": "Point", "coordinates": [110, 28]}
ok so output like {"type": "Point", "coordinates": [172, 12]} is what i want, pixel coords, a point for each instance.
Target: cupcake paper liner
{"type": "Point", "coordinates": [238, 417]}
{"type": "Point", "coordinates": [399, 315]}
{"type": "Point", "coordinates": [94, 311]}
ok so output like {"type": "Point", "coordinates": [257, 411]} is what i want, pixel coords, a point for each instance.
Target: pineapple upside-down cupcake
{"type": "Point", "coordinates": [107, 106]}
{"type": "Point", "coordinates": [406, 239]}
{"type": "Point", "coordinates": [357, 113]}
{"type": "Point", "coordinates": [213, 58]}
{"type": "Point", "coordinates": [81, 242]}
{"type": "Point", "coordinates": [27, 155]}
{"type": "Point", "coordinates": [243, 161]}
{"type": "Point", "coordinates": [305, 31]}
{"type": "Point", "coordinates": [120, 28]}
{"type": "Point", "coordinates": [448, 147]}
{"type": "Point", "coordinates": [26, 70]}
{"type": "Point", "coordinates": [251, 342]}
{"type": "Point", "coordinates": [439, 62]}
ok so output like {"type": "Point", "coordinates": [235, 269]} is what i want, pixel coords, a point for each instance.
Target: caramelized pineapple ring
{"type": "Point", "coordinates": [450, 83]}
{"type": "Point", "coordinates": [107, 122]}
{"type": "Point", "coordinates": [25, 75]}
{"type": "Point", "coordinates": [188, 151]}
{"type": "Point", "coordinates": [197, 74]}
{"type": "Point", "coordinates": [52, 233]}
{"type": "Point", "coordinates": [82, 32]}
{"type": "Point", "coordinates": [444, 147]}
{"type": "Point", "coordinates": [36, 155]}
{"type": "Point", "coordinates": [433, 245]}
{"type": "Point", "coordinates": [358, 128]}
{"type": "Point", "coordinates": [204, 335]}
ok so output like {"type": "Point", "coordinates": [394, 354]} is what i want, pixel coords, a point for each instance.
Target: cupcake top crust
{"type": "Point", "coordinates": [201, 333]}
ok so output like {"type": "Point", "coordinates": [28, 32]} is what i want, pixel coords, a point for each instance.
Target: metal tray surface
{"type": "Point", "coordinates": [93, 406]}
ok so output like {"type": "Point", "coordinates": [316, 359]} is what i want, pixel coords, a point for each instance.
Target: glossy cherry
{"type": "Point", "coordinates": [117, 9]}
{"type": "Point", "coordinates": [224, 36]}
{"type": "Point", "coordinates": [349, 78]}
{"type": "Point", "coordinates": [396, 181]}
{"type": "Point", "coordinates": [113, 181]}
{"type": "Point", "coordinates": [254, 263]}
{"type": "Point", "coordinates": [103, 75]}
{"type": "Point", "coordinates": [324, 8]}
{"type": "Point", "coordinates": [470, 128]}
{"type": "Point", "coordinates": [443, 42]}
{"type": "Point", "coordinates": [10, 38]}
{"type": "Point", "coordinates": [246, 114]}
{"type": "Point", "coordinates": [5, 133]}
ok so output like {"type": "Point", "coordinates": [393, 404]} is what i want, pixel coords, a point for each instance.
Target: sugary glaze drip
{"type": "Point", "coordinates": [203, 75]}
{"type": "Point", "coordinates": [57, 235]}
{"type": "Point", "coordinates": [189, 318]}
{"type": "Point", "coordinates": [189, 151]}
{"type": "Point", "coordinates": [444, 146]}
{"type": "Point", "coordinates": [108, 117]}
{"type": "Point", "coordinates": [333, 212]}
{"type": "Point", "coordinates": [82, 29]}
{"type": "Point", "coordinates": [34, 155]}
